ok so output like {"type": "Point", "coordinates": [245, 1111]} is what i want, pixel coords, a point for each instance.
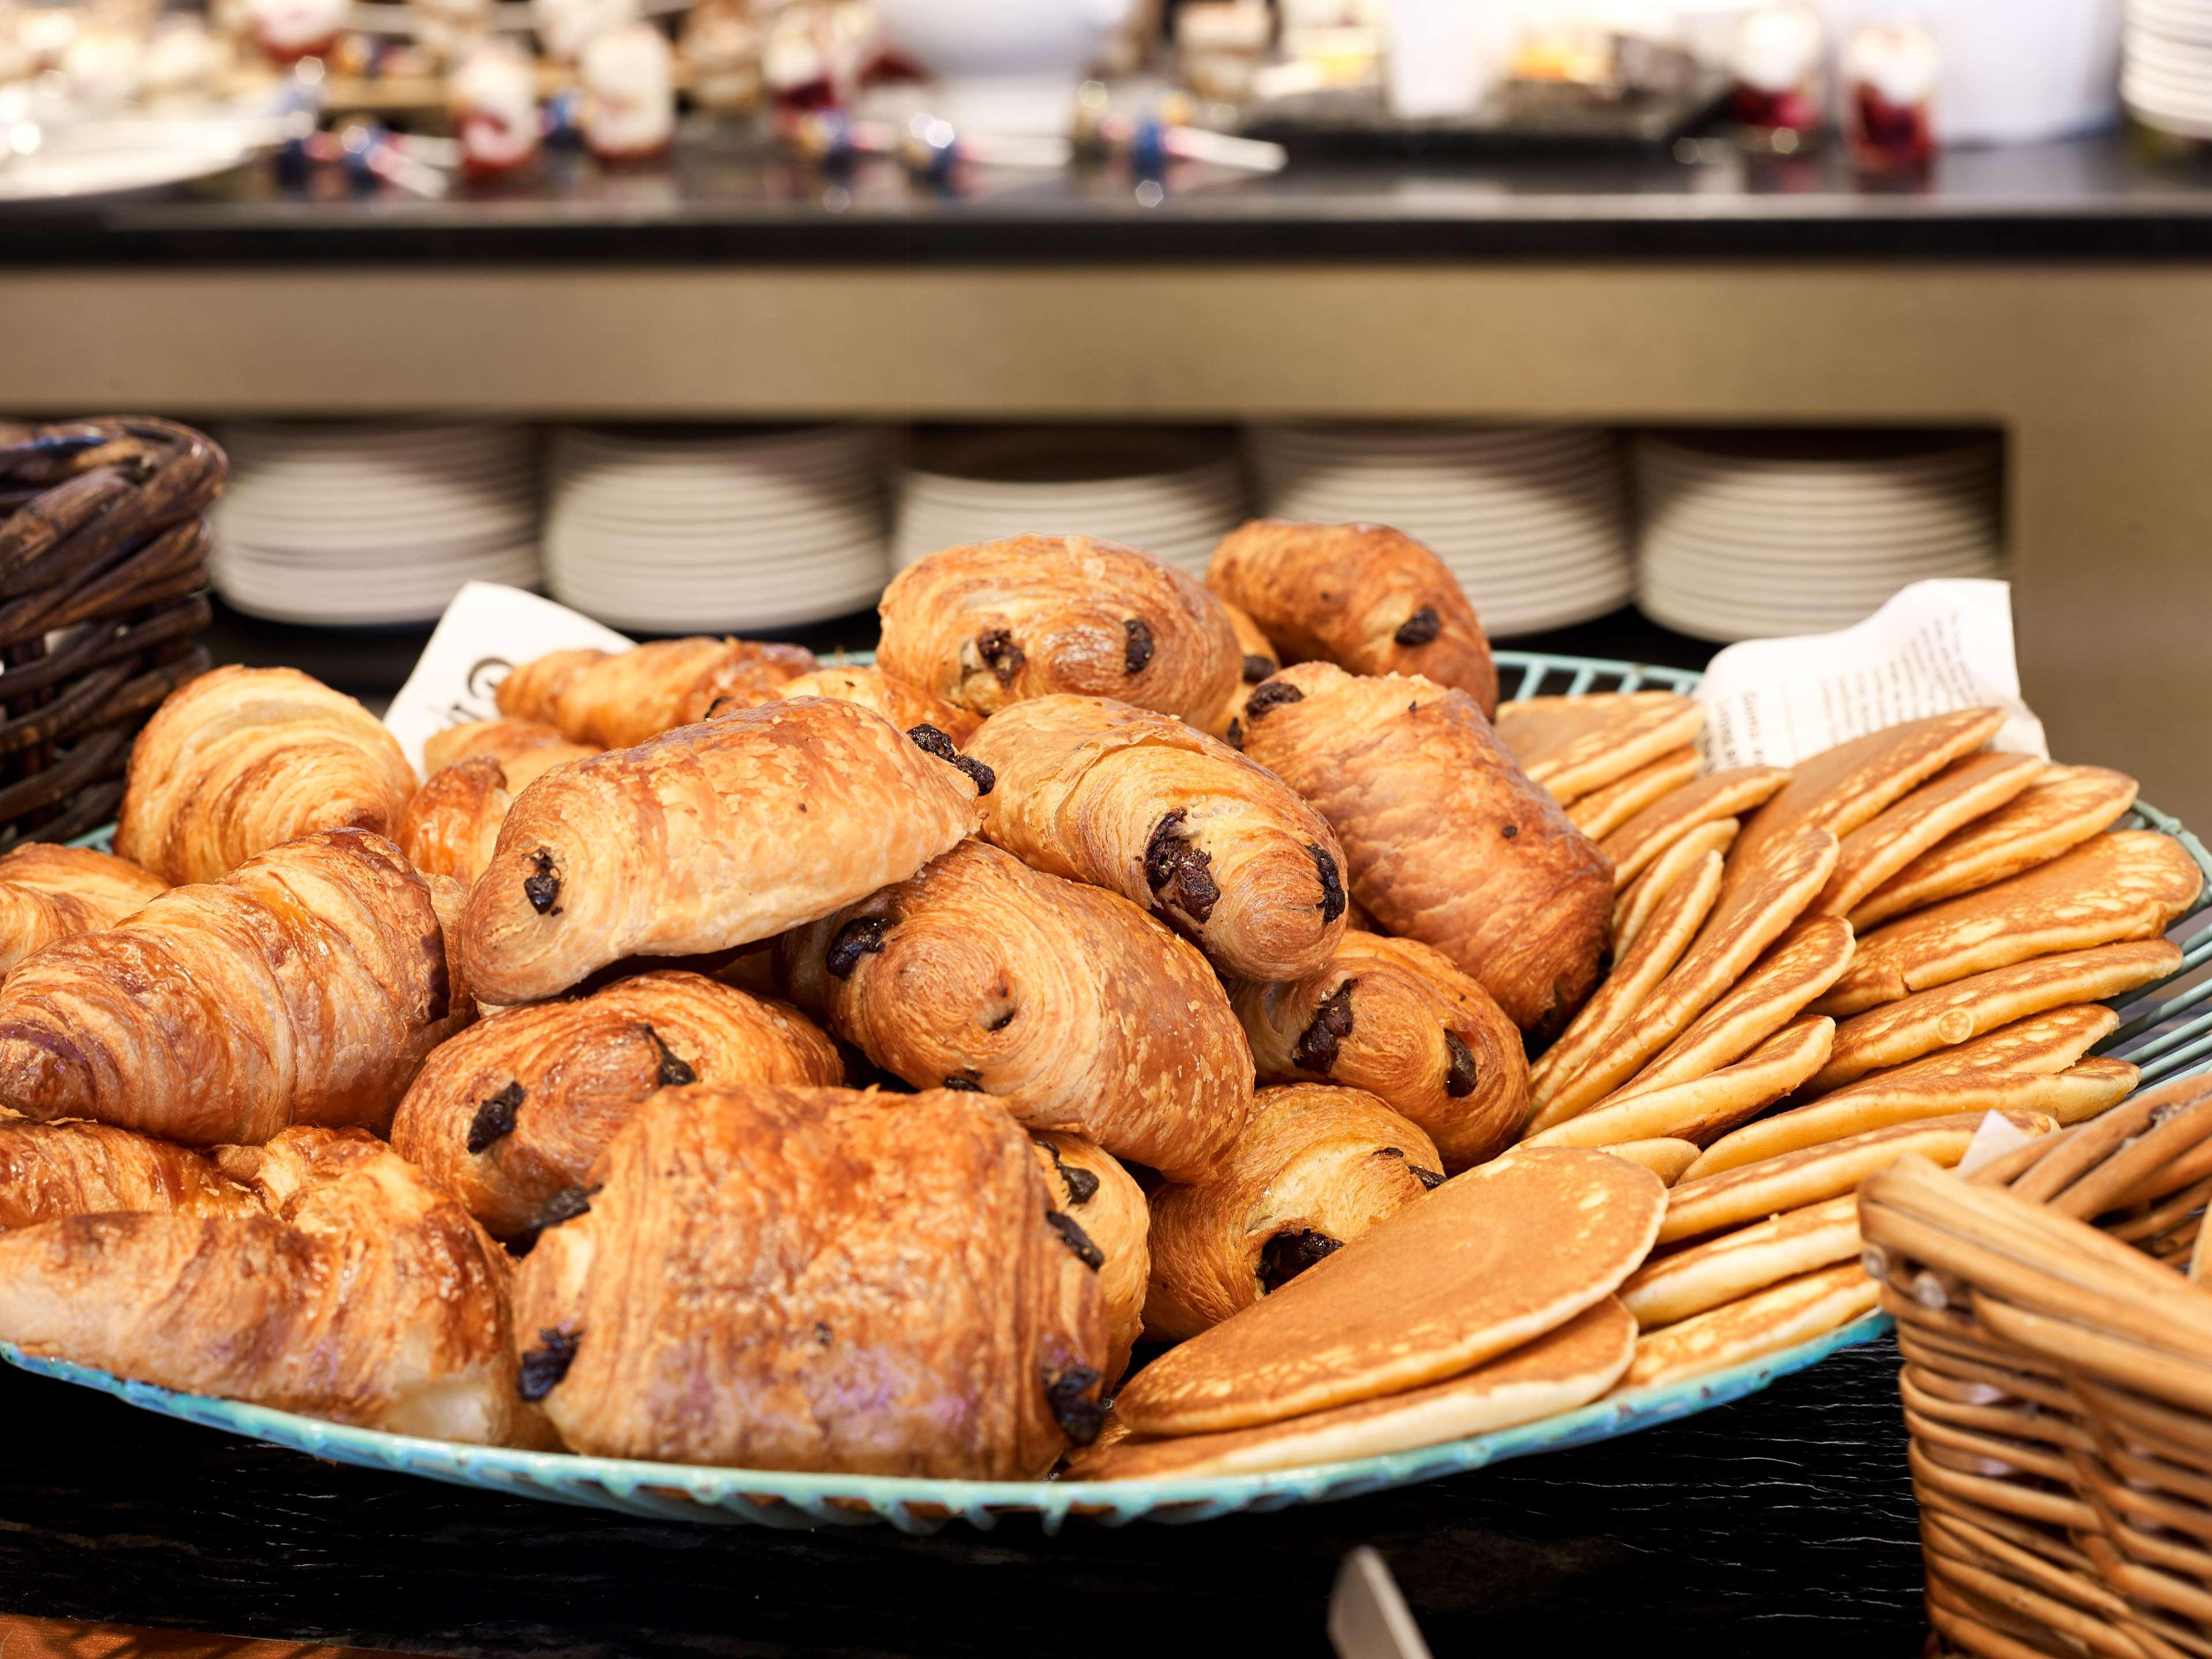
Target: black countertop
{"type": "Point", "coordinates": [727, 198]}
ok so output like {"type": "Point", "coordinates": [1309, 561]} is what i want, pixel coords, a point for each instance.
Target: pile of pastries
{"type": "Point", "coordinates": [726, 1058]}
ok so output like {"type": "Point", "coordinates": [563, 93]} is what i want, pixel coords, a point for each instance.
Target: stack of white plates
{"type": "Point", "coordinates": [2165, 75]}
{"type": "Point", "coordinates": [1749, 535]}
{"type": "Point", "coordinates": [691, 530]}
{"type": "Point", "coordinates": [1173, 495]}
{"type": "Point", "coordinates": [1532, 521]}
{"type": "Point", "coordinates": [372, 522]}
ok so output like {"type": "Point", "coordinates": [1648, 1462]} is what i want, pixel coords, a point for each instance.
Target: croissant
{"type": "Point", "coordinates": [511, 1114]}
{"type": "Point", "coordinates": [1317, 1166]}
{"type": "Point", "coordinates": [1066, 1004]}
{"type": "Point", "coordinates": [49, 892]}
{"type": "Point", "coordinates": [525, 750]}
{"type": "Point", "coordinates": [1261, 661]}
{"type": "Point", "coordinates": [306, 987]}
{"type": "Point", "coordinates": [1362, 596]}
{"type": "Point", "coordinates": [1446, 839]}
{"type": "Point", "coordinates": [986, 627]}
{"type": "Point", "coordinates": [615, 700]}
{"type": "Point", "coordinates": [1172, 820]}
{"type": "Point", "coordinates": [1104, 1200]}
{"type": "Point", "coordinates": [905, 706]}
{"type": "Point", "coordinates": [1395, 1018]}
{"type": "Point", "coordinates": [364, 1294]}
{"type": "Point", "coordinates": [48, 1170]}
{"type": "Point", "coordinates": [776, 1278]}
{"type": "Point", "coordinates": [452, 825]}
{"type": "Point", "coordinates": [706, 838]}
{"type": "Point", "coordinates": [242, 759]}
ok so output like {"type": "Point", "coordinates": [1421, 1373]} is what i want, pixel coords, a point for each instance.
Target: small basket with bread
{"type": "Point", "coordinates": [1080, 1062]}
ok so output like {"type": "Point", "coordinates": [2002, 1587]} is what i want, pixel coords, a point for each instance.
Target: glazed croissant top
{"type": "Point", "coordinates": [452, 825]}
{"type": "Point", "coordinates": [511, 1114]}
{"type": "Point", "coordinates": [244, 759]}
{"type": "Point", "coordinates": [306, 987]}
{"type": "Point", "coordinates": [905, 706]}
{"type": "Point", "coordinates": [49, 892]}
{"type": "Point", "coordinates": [817, 1278]}
{"type": "Point", "coordinates": [524, 749]}
{"type": "Point", "coordinates": [1362, 596]}
{"type": "Point", "coordinates": [1394, 1017]}
{"type": "Point", "coordinates": [1066, 1004]}
{"type": "Point", "coordinates": [613, 699]}
{"type": "Point", "coordinates": [48, 1170]}
{"type": "Point", "coordinates": [707, 837]}
{"type": "Point", "coordinates": [988, 626]}
{"type": "Point", "coordinates": [1173, 820]}
{"type": "Point", "coordinates": [1446, 839]}
{"type": "Point", "coordinates": [363, 1294]}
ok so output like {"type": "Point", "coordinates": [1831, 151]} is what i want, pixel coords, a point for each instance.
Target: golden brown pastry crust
{"type": "Point", "coordinates": [512, 1114]}
{"type": "Point", "coordinates": [1316, 1167]}
{"type": "Point", "coordinates": [307, 986]}
{"type": "Point", "coordinates": [1394, 1017]}
{"type": "Point", "coordinates": [49, 892]}
{"type": "Point", "coordinates": [1177, 822]}
{"type": "Point", "coordinates": [452, 825]}
{"type": "Point", "coordinates": [1067, 1005]}
{"type": "Point", "coordinates": [883, 1292]}
{"type": "Point", "coordinates": [614, 700]}
{"type": "Point", "coordinates": [525, 750]}
{"type": "Point", "coordinates": [242, 759]}
{"type": "Point", "coordinates": [365, 1294]}
{"type": "Point", "coordinates": [1261, 661]}
{"type": "Point", "coordinates": [1104, 1200]}
{"type": "Point", "coordinates": [709, 837]}
{"type": "Point", "coordinates": [905, 706]}
{"type": "Point", "coordinates": [1362, 596]}
{"type": "Point", "coordinates": [986, 627]}
{"type": "Point", "coordinates": [48, 1170]}
{"type": "Point", "coordinates": [1447, 842]}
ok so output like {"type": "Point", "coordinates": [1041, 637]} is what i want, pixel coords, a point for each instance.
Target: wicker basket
{"type": "Point", "coordinates": [2057, 1382]}
{"type": "Point", "coordinates": [103, 580]}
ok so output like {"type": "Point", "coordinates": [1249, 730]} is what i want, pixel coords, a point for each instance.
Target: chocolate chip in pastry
{"type": "Point", "coordinates": [1066, 1004]}
{"type": "Point", "coordinates": [706, 838]}
{"type": "Point", "coordinates": [614, 700]}
{"type": "Point", "coordinates": [49, 892]}
{"type": "Point", "coordinates": [1261, 659]}
{"type": "Point", "coordinates": [512, 1114]}
{"type": "Point", "coordinates": [1447, 842]}
{"type": "Point", "coordinates": [1104, 1199]}
{"type": "Point", "coordinates": [986, 627]}
{"type": "Point", "coordinates": [1214, 845]}
{"type": "Point", "coordinates": [1365, 597]}
{"type": "Point", "coordinates": [1316, 1166]}
{"type": "Point", "coordinates": [778, 1277]}
{"type": "Point", "coordinates": [242, 759]}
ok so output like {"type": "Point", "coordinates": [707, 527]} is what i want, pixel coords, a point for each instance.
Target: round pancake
{"type": "Point", "coordinates": [1840, 788]}
{"type": "Point", "coordinates": [2063, 808]}
{"type": "Point", "coordinates": [1448, 1282]}
{"type": "Point", "coordinates": [1640, 900]}
{"type": "Point", "coordinates": [1897, 1033]}
{"type": "Point", "coordinates": [1663, 1156]}
{"type": "Point", "coordinates": [1573, 745]}
{"type": "Point", "coordinates": [1757, 904]}
{"type": "Point", "coordinates": [1601, 811]}
{"type": "Point", "coordinates": [1801, 965]}
{"type": "Point", "coordinates": [1772, 1319]}
{"type": "Point", "coordinates": [2130, 885]}
{"type": "Point", "coordinates": [1968, 788]}
{"type": "Point", "coordinates": [1790, 1180]}
{"type": "Point", "coordinates": [1557, 1372]}
{"type": "Point", "coordinates": [1638, 973]}
{"type": "Point", "coordinates": [1729, 794]}
{"type": "Point", "coordinates": [1703, 1107]}
{"type": "Point", "coordinates": [1727, 1268]}
{"type": "Point", "coordinates": [2025, 1065]}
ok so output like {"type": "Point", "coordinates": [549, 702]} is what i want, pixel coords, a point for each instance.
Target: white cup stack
{"type": "Point", "coordinates": [346, 524]}
{"type": "Point", "coordinates": [2165, 74]}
